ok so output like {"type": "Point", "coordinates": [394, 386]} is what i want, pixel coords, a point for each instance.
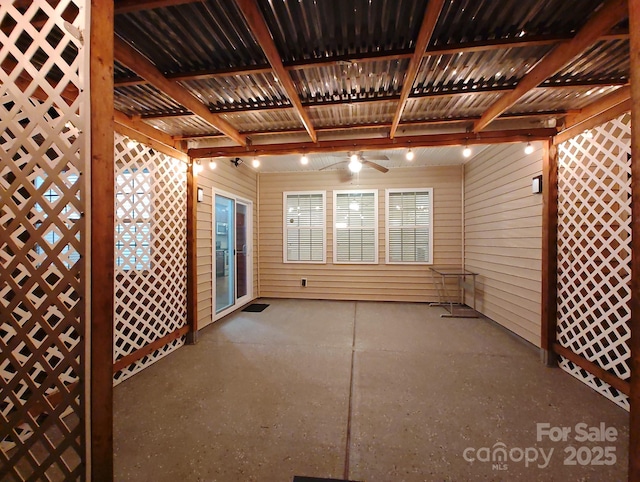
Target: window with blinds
{"type": "Point", "coordinates": [355, 218]}
{"type": "Point", "coordinates": [304, 227]}
{"type": "Point", "coordinates": [409, 224]}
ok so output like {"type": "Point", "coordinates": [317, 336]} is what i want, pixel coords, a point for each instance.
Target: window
{"type": "Point", "coordinates": [409, 225]}
{"type": "Point", "coordinates": [133, 219]}
{"type": "Point", "coordinates": [304, 227]}
{"type": "Point", "coordinates": [69, 214]}
{"type": "Point", "coordinates": [355, 218]}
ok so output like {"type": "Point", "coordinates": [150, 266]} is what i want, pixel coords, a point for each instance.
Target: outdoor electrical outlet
{"type": "Point", "coordinates": [303, 282]}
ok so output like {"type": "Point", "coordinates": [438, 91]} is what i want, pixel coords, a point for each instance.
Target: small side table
{"type": "Point", "coordinates": [454, 302]}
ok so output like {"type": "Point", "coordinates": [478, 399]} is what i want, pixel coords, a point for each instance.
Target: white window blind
{"type": "Point", "coordinates": [355, 227]}
{"type": "Point", "coordinates": [409, 226]}
{"type": "Point", "coordinates": [304, 230]}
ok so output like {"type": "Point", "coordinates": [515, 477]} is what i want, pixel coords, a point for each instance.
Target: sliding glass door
{"type": "Point", "coordinates": [233, 273]}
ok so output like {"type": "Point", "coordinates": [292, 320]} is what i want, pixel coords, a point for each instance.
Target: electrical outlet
{"type": "Point", "coordinates": [303, 282]}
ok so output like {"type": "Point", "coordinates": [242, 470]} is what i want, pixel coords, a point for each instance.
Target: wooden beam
{"type": "Point", "coordinates": [151, 142]}
{"type": "Point", "coordinates": [100, 268]}
{"type": "Point", "coordinates": [128, 56]}
{"type": "Point", "coordinates": [634, 322]}
{"type": "Point", "coordinates": [612, 12]}
{"type": "Point", "coordinates": [434, 7]}
{"type": "Point", "coordinates": [192, 256]}
{"type": "Point", "coordinates": [129, 6]}
{"type": "Point", "coordinates": [260, 30]}
{"type": "Point", "coordinates": [549, 299]}
{"type": "Point", "coordinates": [592, 122]}
{"type": "Point", "coordinates": [142, 127]}
{"type": "Point", "coordinates": [147, 349]}
{"type": "Point", "coordinates": [593, 368]}
{"type": "Point", "coordinates": [378, 125]}
{"type": "Point", "coordinates": [341, 145]}
{"type": "Point", "coordinates": [614, 98]}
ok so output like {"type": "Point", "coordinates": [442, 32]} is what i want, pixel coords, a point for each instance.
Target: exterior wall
{"type": "Point", "coordinates": [241, 181]}
{"type": "Point", "coordinates": [503, 236]}
{"type": "Point", "coordinates": [358, 282]}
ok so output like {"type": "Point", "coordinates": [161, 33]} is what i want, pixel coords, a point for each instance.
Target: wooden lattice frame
{"type": "Point", "coordinates": [42, 203]}
{"type": "Point", "coordinates": [594, 252]}
{"type": "Point", "coordinates": [151, 253]}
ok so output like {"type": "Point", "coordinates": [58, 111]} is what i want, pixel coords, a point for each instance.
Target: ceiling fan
{"type": "Point", "coordinates": [355, 161]}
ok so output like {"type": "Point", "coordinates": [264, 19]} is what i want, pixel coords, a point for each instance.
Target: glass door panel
{"type": "Point", "coordinates": [225, 259]}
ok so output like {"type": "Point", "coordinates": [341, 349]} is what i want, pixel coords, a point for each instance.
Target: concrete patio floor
{"type": "Point", "coordinates": [367, 391]}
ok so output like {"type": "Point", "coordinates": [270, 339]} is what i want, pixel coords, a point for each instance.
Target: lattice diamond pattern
{"type": "Point", "coordinates": [41, 204]}
{"type": "Point", "coordinates": [151, 252]}
{"type": "Point", "coordinates": [594, 252]}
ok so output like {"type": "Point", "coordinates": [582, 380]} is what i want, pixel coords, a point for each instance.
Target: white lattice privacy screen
{"type": "Point", "coordinates": [150, 255]}
{"type": "Point", "coordinates": [594, 252]}
{"type": "Point", "coordinates": [42, 202]}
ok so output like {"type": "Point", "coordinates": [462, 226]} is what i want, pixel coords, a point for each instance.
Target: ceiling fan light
{"type": "Point", "coordinates": [409, 155]}
{"type": "Point", "coordinates": [354, 157]}
{"type": "Point", "coordinates": [304, 160]}
{"type": "Point", "coordinates": [529, 149]}
{"type": "Point", "coordinates": [355, 166]}
{"type": "Point", "coordinates": [466, 152]}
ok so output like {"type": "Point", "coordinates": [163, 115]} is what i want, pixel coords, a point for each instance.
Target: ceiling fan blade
{"type": "Point", "coordinates": [377, 167]}
{"type": "Point", "coordinates": [332, 165]}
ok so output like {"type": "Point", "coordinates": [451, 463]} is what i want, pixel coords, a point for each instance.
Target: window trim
{"type": "Point", "coordinates": [387, 244]}
{"type": "Point", "coordinates": [376, 227]}
{"type": "Point", "coordinates": [285, 229]}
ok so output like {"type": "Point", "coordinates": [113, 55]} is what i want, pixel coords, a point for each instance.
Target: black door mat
{"type": "Point", "coordinates": [255, 307]}
{"type": "Point", "coordinates": [300, 478]}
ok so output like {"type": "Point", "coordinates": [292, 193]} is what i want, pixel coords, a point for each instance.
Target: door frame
{"type": "Point", "coordinates": [238, 302]}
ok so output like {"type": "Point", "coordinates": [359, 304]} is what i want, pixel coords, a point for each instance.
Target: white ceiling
{"type": "Point", "coordinates": [424, 156]}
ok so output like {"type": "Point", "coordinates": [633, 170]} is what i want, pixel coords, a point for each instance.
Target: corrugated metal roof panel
{"type": "Point", "coordinates": [448, 107]}
{"type": "Point", "coordinates": [353, 114]}
{"type": "Point", "coordinates": [559, 99]}
{"type": "Point", "coordinates": [120, 71]}
{"type": "Point", "coordinates": [489, 68]}
{"type": "Point", "coordinates": [362, 79]}
{"type": "Point", "coordinates": [273, 120]}
{"type": "Point", "coordinates": [239, 90]}
{"type": "Point", "coordinates": [187, 125]}
{"type": "Point", "coordinates": [477, 20]}
{"type": "Point", "coordinates": [144, 99]}
{"type": "Point", "coordinates": [307, 29]}
{"type": "Point", "coordinates": [191, 37]}
{"type": "Point", "coordinates": [603, 61]}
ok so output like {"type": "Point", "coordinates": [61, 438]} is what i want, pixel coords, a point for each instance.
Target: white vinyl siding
{"type": "Point", "coordinates": [304, 227]}
{"type": "Point", "coordinates": [503, 232]}
{"type": "Point", "coordinates": [355, 227]}
{"type": "Point", "coordinates": [409, 224]}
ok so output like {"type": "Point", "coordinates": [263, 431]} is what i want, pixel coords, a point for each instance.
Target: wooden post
{"type": "Point", "coordinates": [549, 252]}
{"type": "Point", "coordinates": [192, 283]}
{"type": "Point", "coordinates": [101, 267]}
{"type": "Point", "coordinates": [634, 323]}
